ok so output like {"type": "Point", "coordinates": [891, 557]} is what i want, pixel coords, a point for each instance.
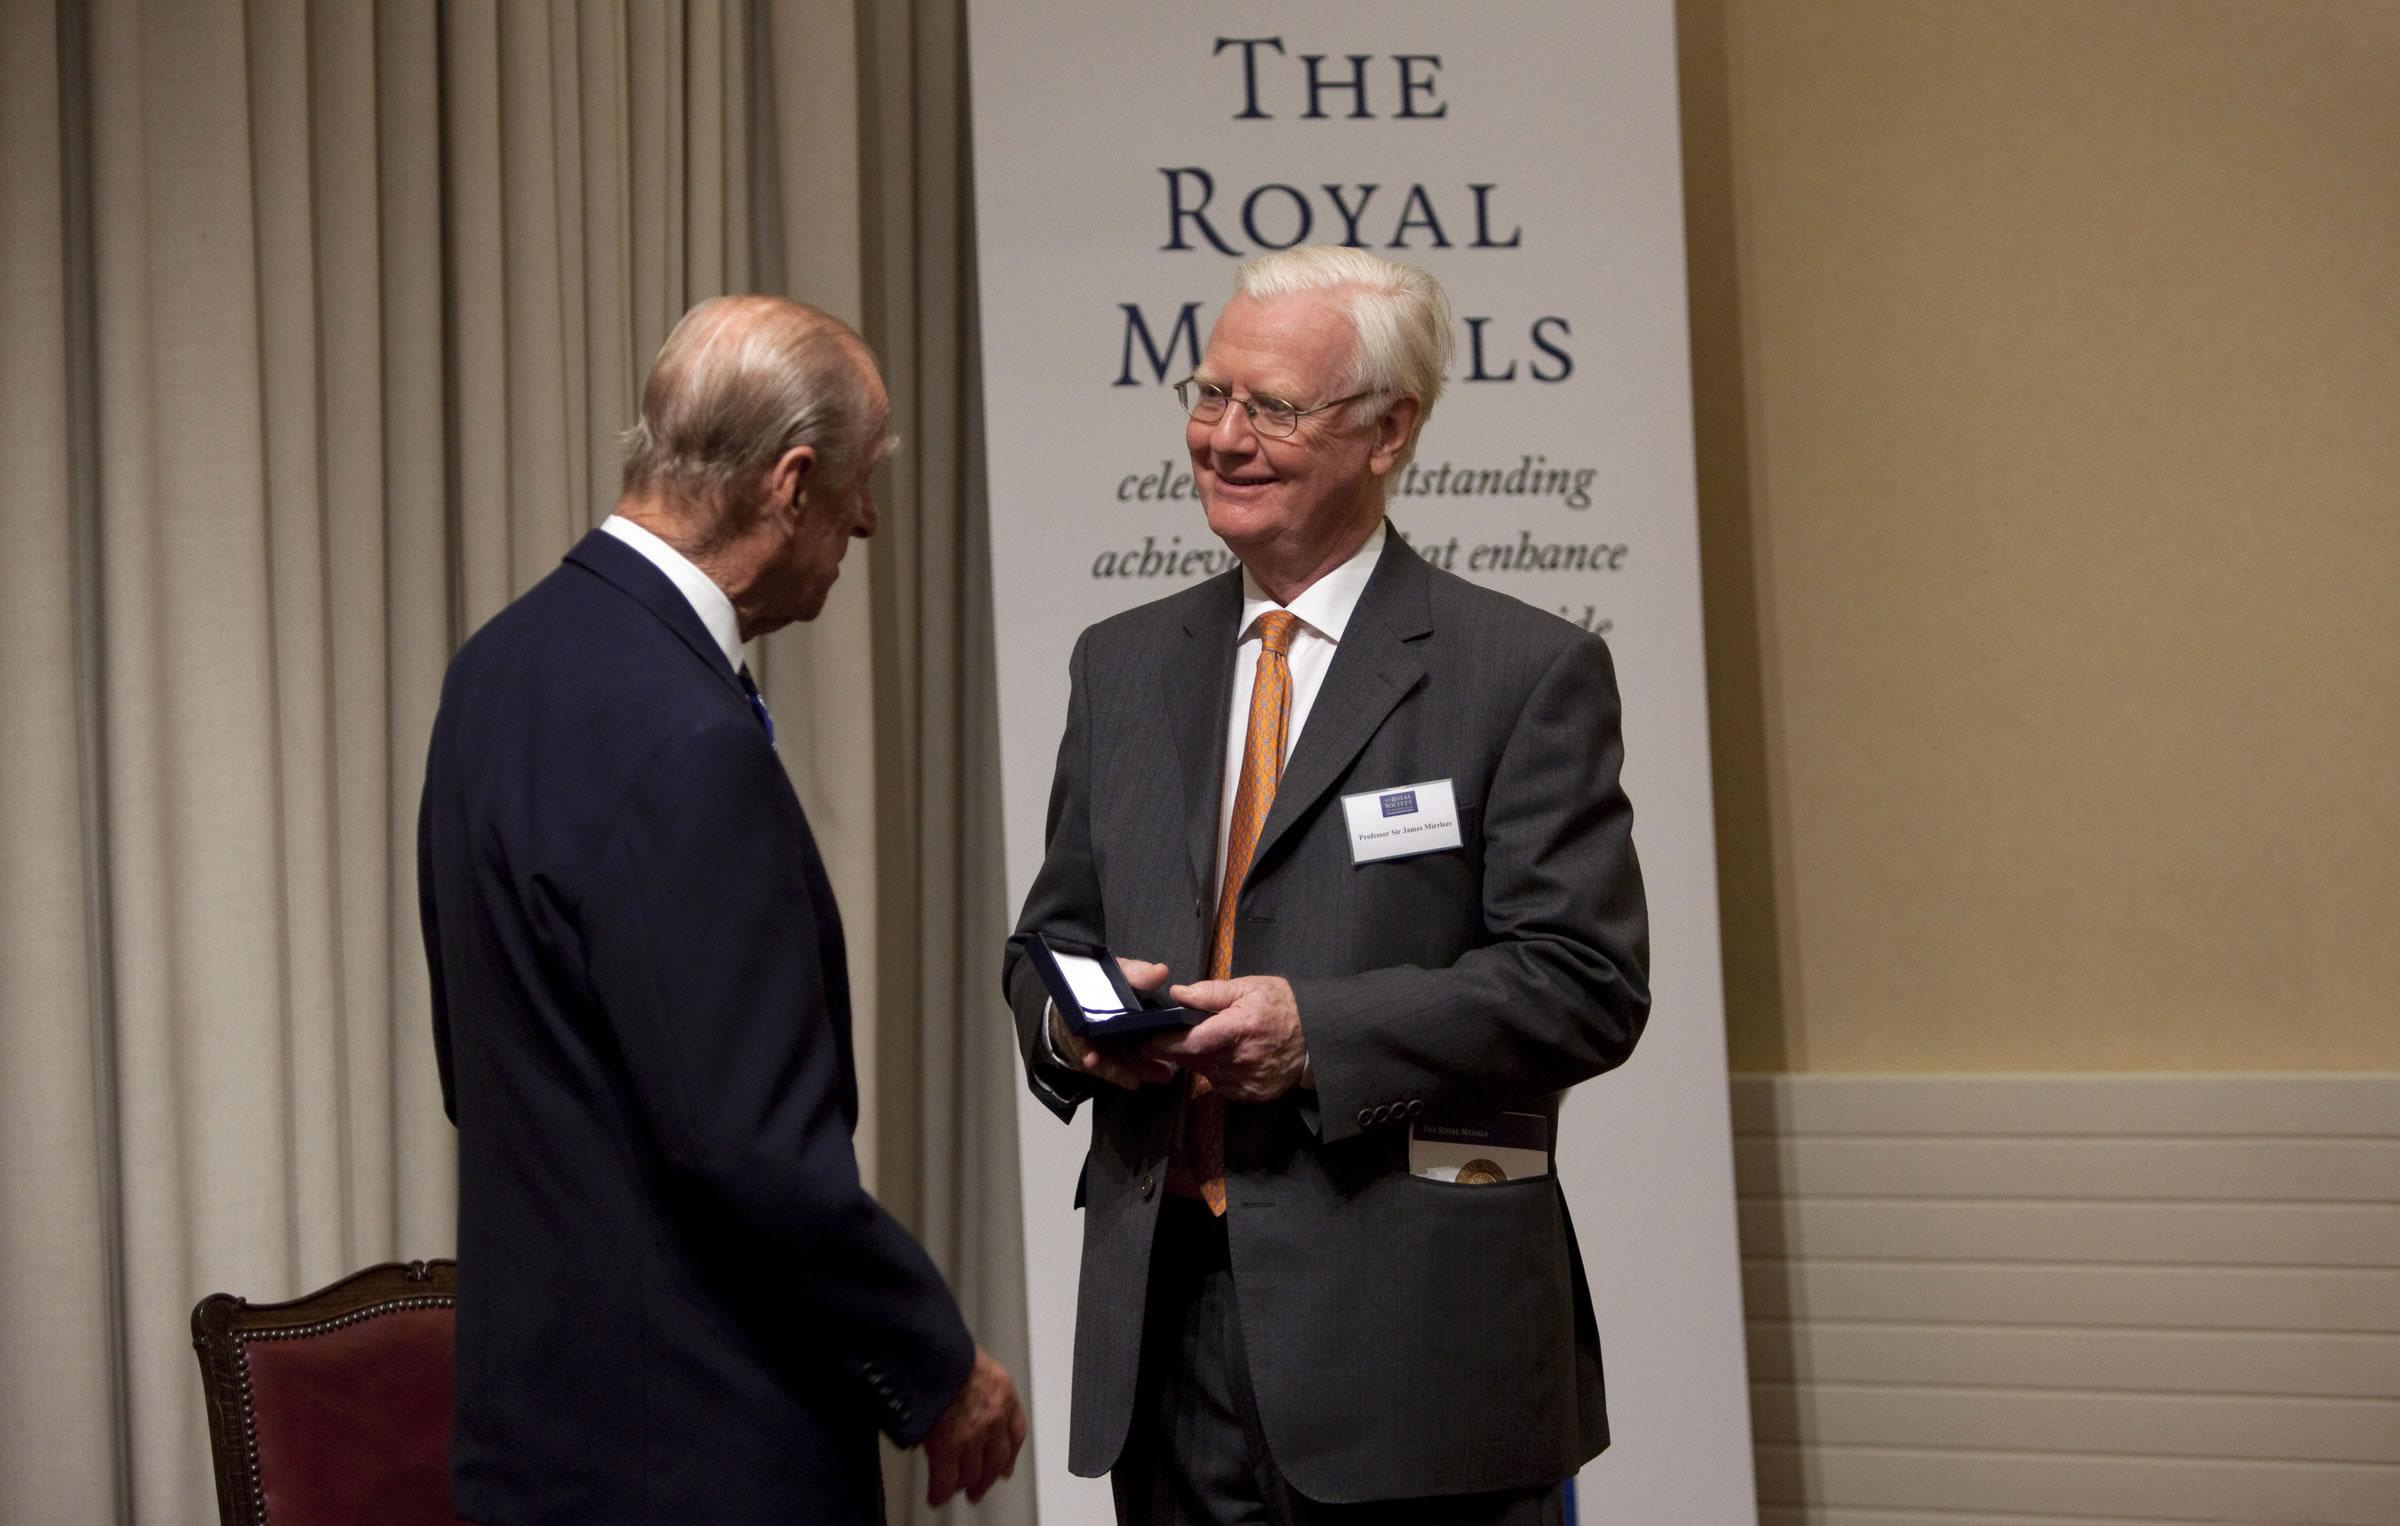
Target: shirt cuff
{"type": "Point", "coordinates": [1056, 1094]}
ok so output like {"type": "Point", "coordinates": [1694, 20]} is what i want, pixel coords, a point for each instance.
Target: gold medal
{"type": "Point", "coordinates": [1479, 1172]}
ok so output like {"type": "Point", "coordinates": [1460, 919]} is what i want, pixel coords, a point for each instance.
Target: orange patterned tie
{"type": "Point", "coordinates": [1262, 767]}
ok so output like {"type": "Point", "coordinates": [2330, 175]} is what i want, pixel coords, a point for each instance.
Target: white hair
{"type": "Point", "coordinates": [1398, 313]}
{"type": "Point", "coordinates": [740, 381]}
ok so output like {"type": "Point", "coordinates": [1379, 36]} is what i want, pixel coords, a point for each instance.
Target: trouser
{"type": "Point", "coordinates": [1197, 1455]}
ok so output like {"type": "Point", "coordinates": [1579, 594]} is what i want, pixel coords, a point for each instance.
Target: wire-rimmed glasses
{"type": "Point", "coordinates": [1206, 402]}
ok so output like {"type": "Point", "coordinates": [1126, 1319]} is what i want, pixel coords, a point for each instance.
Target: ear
{"type": "Point", "coordinates": [794, 473]}
{"type": "Point", "coordinates": [1393, 429]}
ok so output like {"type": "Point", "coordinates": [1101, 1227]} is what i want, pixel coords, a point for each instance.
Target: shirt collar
{"type": "Point", "coordinates": [1326, 605]}
{"type": "Point", "coordinates": [708, 601]}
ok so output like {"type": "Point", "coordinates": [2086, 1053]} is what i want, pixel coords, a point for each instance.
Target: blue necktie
{"type": "Point", "coordinates": [758, 705]}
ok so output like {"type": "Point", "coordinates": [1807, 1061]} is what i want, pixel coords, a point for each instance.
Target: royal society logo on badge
{"type": "Point", "coordinates": [1394, 823]}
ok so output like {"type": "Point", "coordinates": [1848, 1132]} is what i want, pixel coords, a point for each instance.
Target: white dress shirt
{"type": "Point", "coordinates": [708, 601]}
{"type": "Point", "coordinates": [1324, 609]}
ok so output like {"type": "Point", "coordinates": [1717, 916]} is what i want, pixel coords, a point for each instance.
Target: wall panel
{"type": "Point", "coordinates": [2072, 1298]}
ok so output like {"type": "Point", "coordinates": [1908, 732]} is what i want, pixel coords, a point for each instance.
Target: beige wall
{"type": "Point", "coordinates": [2048, 364]}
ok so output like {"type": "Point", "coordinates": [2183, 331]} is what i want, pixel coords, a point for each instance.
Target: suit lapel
{"type": "Point", "coordinates": [630, 572]}
{"type": "Point", "coordinates": [1374, 668]}
{"type": "Point", "coordinates": [1197, 684]}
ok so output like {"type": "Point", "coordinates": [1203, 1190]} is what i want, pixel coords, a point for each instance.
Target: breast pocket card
{"type": "Point", "coordinates": [1473, 1149]}
{"type": "Point", "coordinates": [1405, 819]}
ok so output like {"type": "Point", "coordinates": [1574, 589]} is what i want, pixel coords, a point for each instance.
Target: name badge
{"type": "Point", "coordinates": [1406, 819]}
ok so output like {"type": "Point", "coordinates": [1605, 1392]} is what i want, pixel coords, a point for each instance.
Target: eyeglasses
{"type": "Point", "coordinates": [1270, 416]}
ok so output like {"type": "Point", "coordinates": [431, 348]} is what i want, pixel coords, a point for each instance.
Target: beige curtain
{"type": "Point", "coordinates": [320, 323]}
{"type": "Point", "coordinates": [57, 1348]}
{"type": "Point", "coordinates": [948, 1096]}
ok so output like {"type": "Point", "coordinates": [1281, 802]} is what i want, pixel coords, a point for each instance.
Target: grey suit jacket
{"type": "Point", "coordinates": [1406, 1336]}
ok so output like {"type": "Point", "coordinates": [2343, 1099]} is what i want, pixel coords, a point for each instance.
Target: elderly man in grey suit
{"type": "Point", "coordinates": [1369, 815]}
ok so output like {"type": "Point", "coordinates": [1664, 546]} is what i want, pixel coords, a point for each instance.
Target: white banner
{"type": "Point", "coordinates": [1127, 155]}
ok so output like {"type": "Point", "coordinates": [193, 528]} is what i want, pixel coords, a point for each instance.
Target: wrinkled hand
{"type": "Point", "coordinates": [1128, 1068]}
{"type": "Point", "coordinates": [1250, 1048]}
{"type": "Point", "coordinates": [974, 1445]}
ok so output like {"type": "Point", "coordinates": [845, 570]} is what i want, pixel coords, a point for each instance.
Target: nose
{"type": "Point", "coordinates": [1233, 430]}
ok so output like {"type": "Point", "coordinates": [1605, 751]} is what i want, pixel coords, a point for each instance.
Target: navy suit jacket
{"type": "Point", "coordinates": [676, 1302]}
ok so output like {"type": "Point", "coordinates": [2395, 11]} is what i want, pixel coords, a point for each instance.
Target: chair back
{"type": "Point", "coordinates": [333, 1408]}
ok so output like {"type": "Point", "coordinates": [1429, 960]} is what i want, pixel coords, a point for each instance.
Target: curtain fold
{"type": "Point", "coordinates": [399, 665]}
{"type": "Point", "coordinates": [191, 790]}
{"type": "Point", "coordinates": [57, 1351]}
{"type": "Point", "coordinates": [322, 322]}
{"type": "Point", "coordinates": [948, 1109]}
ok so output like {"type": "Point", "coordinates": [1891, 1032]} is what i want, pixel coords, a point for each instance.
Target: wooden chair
{"type": "Point", "coordinates": [333, 1408]}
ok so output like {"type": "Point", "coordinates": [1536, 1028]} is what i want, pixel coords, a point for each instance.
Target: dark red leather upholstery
{"type": "Point", "coordinates": [353, 1423]}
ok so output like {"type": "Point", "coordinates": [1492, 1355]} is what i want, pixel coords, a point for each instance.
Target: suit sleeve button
{"type": "Point", "coordinates": [1149, 1185]}
{"type": "Point", "coordinates": [1416, 1105]}
{"type": "Point", "coordinates": [1366, 1117]}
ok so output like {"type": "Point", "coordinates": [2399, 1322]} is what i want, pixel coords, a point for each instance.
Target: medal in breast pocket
{"type": "Point", "coordinates": [1479, 1149]}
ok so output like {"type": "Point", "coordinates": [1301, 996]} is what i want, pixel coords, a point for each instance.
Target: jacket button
{"type": "Point", "coordinates": [1199, 907]}
{"type": "Point", "coordinates": [1149, 1185]}
{"type": "Point", "coordinates": [1366, 1117]}
{"type": "Point", "coordinates": [1416, 1105]}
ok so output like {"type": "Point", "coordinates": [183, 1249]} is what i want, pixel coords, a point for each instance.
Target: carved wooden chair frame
{"type": "Point", "coordinates": [223, 1325]}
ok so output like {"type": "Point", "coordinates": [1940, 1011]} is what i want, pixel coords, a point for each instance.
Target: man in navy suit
{"type": "Point", "coordinates": [676, 1301]}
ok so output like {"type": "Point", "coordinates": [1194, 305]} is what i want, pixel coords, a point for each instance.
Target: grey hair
{"type": "Point", "coordinates": [740, 381]}
{"type": "Point", "coordinates": [1398, 312]}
